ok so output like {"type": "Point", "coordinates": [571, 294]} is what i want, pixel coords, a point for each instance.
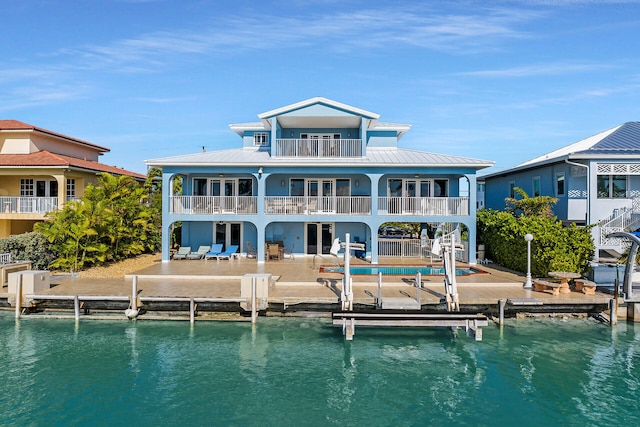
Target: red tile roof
{"type": "Point", "coordinates": [48, 159]}
{"type": "Point", "coordinates": [9, 125]}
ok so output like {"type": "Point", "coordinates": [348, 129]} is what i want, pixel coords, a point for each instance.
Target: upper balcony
{"type": "Point", "coordinates": [307, 205]}
{"type": "Point", "coordinates": [318, 147]}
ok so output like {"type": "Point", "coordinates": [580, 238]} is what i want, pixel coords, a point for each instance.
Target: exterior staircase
{"type": "Point", "coordinates": [624, 219]}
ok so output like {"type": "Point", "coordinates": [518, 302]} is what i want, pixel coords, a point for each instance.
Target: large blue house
{"type": "Point", "coordinates": [309, 172]}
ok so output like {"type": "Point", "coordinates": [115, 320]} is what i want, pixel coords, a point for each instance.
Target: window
{"type": "Point", "coordinates": [71, 188]}
{"type": "Point", "coordinates": [560, 187]}
{"type": "Point", "coordinates": [612, 186]}
{"type": "Point", "coordinates": [199, 187]}
{"type": "Point", "coordinates": [26, 187]}
{"type": "Point", "coordinates": [440, 188]}
{"type": "Point", "coordinates": [536, 186]}
{"type": "Point", "coordinates": [296, 187]}
{"type": "Point", "coordinates": [512, 185]}
{"type": "Point", "coordinates": [260, 139]}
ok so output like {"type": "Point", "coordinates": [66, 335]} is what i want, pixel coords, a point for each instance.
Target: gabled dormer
{"type": "Point", "coordinates": [319, 128]}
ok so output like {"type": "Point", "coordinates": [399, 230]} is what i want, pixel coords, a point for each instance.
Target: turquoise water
{"type": "Point", "coordinates": [301, 371]}
{"type": "Point", "coordinates": [406, 270]}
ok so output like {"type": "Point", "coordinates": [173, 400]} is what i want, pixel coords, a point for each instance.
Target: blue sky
{"type": "Point", "coordinates": [497, 80]}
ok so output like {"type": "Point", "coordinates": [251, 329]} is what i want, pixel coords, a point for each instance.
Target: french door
{"type": "Point", "coordinates": [318, 238]}
{"type": "Point", "coordinates": [228, 233]}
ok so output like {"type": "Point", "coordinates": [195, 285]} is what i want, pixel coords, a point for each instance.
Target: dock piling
{"type": "Point", "coordinates": [379, 300]}
{"type": "Point", "coordinates": [254, 308]}
{"type": "Point", "coordinates": [76, 308]}
{"type": "Point", "coordinates": [501, 303]}
{"type": "Point", "coordinates": [19, 296]}
{"type": "Point", "coordinates": [613, 311]}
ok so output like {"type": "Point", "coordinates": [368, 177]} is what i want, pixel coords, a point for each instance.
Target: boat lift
{"type": "Point", "coordinates": [632, 301]}
{"type": "Point", "coordinates": [447, 251]}
{"type": "Point", "coordinates": [346, 295]}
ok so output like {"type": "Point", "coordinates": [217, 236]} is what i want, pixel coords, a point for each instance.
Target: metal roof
{"type": "Point", "coordinates": [375, 157]}
{"type": "Point", "coordinates": [620, 141]}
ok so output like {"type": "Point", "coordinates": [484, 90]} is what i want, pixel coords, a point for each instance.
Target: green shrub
{"type": "Point", "coordinates": [554, 247]}
{"type": "Point", "coordinates": [29, 246]}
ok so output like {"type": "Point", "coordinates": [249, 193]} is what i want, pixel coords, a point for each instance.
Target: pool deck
{"type": "Point", "coordinates": [298, 285]}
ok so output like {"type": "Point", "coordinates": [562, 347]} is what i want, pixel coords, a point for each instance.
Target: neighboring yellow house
{"type": "Point", "coordinates": [40, 170]}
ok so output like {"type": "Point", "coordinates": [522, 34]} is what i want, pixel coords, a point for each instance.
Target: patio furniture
{"type": "Point", "coordinates": [232, 251]}
{"type": "Point", "coordinates": [586, 286]}
{"type": "Point", "coordinates": [289, 252]}
{"type": "Point", "coordinates": [251, 252]}
{"type": "Point", "coordinates": [544, 285]}
{"type": "Point", "coordinates": [214, 252]}
{"type": "Point", "coordinates": [200, 253]}
{"type": "Point", "coordinates": [274, 251]}
{"type": "Point", "coordinates": [564, 277]}
{"type": "Point", "coordinates": [182, 253]}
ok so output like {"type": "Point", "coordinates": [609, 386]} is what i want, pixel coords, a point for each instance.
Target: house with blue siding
{"type": "Point", "coordinates": [308, 173]}
{"type": "Point", "coordinates": [596, 181]}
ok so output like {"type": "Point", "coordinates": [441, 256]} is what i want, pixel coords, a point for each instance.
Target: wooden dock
{"type": "Point", "coordinates": [348, 320]}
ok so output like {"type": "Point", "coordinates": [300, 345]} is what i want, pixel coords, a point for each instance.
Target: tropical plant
{"type": "Point", "coordinates": [541, 206]}
{"type": "Point", "coordinates": [554, 247]}
{"type": "Point", "coordinates": [111, 221]}
{"type": "Point", "coordinates": [31, 246]}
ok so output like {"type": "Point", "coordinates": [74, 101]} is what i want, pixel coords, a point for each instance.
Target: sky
{"type": "Point", "coordinates": [504, 81]}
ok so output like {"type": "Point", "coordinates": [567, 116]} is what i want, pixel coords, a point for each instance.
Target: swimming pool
{"type": "Point", "coordinates": [399, 270]}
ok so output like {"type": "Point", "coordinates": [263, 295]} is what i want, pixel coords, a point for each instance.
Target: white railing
{"type": "Point", "coordinates": [307, 205]}
{"type": "Point", "coordinates": [404, 248]}
{"type": "Point", "coordinates": [318, 147]}
{"type": "Point", "coordinates": [620, 220]}
{"type": "Point", "coordinates": [437, 206]}
{"type": "Point", "coordinates": [38, 205]}
{"type": "Point", "coordinates": [197, 205]}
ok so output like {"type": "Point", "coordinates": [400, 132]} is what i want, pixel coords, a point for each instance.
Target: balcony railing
{"type": "Point", "coordinates": [309, 205]}
{"type": "Point", "coordinates": [318, 148]}
{"type": "Point", "coordinates": [434, 206]}
{"type": "Point", "coordinates": [28, 205]}
{"type": "Point", "coordinates": [213, 205]}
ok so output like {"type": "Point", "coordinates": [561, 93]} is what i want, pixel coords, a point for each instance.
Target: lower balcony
{"type": "Point", "coordinates": [203, 205]}
{"type": "Point", "coordinates": [28, 205]}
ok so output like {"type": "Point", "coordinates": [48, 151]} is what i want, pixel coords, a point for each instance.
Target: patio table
{"type": "Point", "coordinates": [564, 277]}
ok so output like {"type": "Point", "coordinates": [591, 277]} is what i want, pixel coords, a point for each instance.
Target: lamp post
{"type": "Point", "coordinates": [528, 285]}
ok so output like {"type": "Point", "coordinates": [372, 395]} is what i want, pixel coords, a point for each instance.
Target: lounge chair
{"type": "Point", "coordinates": [214, 252]}
{"type": "Point", "coordinates": [200, 253]}
{"type": "Point", "coordinates": [231, 251]}
{"type": "Point", "coordinates": [251, 252]}
{"type": "Point", "coordinates": [182, 253]}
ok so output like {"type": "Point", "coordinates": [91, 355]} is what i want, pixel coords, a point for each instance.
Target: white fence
{"type": "Point", "coordinates": [404, 248]}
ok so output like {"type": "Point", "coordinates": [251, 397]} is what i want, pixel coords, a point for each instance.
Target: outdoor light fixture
{"type": "Point", "coordinates": [527, 284]}
{"type": "Point", "coordinates": [357, 183]}
{"type": "Point", "coordinates": [282, 183]}
{"type": "Point", "coordinates": [260, 172]}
